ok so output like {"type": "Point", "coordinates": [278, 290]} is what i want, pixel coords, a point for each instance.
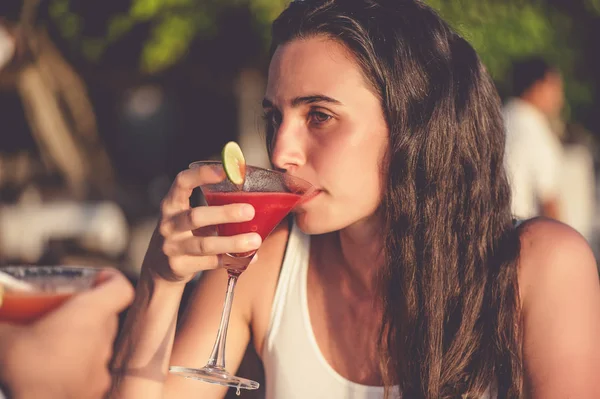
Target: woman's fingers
{"type": "Point", "coordinates": [179, 194]}
{"type": "Point", "coordinates": [203, 216]}
{"type": "Point", "coordinates": [211, 245]}
{"type": "Point", "coordinates": [190, 265]}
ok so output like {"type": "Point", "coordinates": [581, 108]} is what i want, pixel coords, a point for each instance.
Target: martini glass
{"type": "Point", "coordinates": [50, 286]}
{"type": "Point", "coordinates": [273, 195]}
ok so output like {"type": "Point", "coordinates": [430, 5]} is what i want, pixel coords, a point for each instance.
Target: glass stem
{"type": "Point", "coordinates": [217, 357]}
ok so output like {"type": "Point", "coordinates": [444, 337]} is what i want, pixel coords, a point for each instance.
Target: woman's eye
{"type": "Point", "coordinates": [319, 117]}
{"type": "Point", "coordinates": [273, 118]}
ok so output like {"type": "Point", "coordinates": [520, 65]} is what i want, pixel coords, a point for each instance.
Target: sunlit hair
{"type": "Point", "coordinates": [449, 288]}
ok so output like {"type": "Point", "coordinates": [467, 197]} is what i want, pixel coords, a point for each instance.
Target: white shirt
{"type": "Point", "coordinates": [578, 189]}
{"type": "Point", "coordinates": [533, 158]}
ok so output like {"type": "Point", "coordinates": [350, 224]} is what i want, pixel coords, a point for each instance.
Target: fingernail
{"type": "Point", "coordinates": [247, 211]}
{"type": "Point", "coordinates": [254, 240]}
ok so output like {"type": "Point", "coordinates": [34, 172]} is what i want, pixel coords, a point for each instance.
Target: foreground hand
{"type": "Point", "coordinates": [66, 353]}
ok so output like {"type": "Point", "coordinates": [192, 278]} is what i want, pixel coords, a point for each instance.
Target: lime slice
{"type": "Point", "coordinates": [234, 163]}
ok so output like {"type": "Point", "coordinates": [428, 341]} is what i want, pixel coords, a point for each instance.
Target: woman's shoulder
{"type": "Point", "coordinates": [543, 233]}
{"type": "Point", "coordinates": [549, 251]}
{"type": "Point", "coordinates": [560, 298]}
{"type": "Point", "coordinates": [550, 247]}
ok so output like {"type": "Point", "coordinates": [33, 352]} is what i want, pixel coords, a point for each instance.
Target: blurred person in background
{"type": "Point", "coordinates": [66, 353]}
{"type": "Point", "coordinates": [534, 153]}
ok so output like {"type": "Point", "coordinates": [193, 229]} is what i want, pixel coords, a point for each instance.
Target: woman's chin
{"type": "Point", "coordinates": [312, 225]}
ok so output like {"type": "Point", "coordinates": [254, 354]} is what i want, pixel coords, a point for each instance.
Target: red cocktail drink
{"type": "Point", "coordinates": [26, 307]}
{"type": "Point", "coordinates": [48, 287]}
{"type": "Point", "coordinates": [270, 209]}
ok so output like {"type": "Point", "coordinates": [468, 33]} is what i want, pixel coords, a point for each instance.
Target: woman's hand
{"type": "Point", "coordinates": [184, 241]}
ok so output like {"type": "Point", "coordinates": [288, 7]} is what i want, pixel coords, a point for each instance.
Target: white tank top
{"type": "Point", "coordinates": [294, 366]}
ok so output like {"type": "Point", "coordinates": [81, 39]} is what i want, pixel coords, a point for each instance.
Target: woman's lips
{"type": "Point", "coordinates": [310, 197]}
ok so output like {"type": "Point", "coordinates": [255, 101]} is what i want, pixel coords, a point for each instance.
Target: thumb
{"type": "Point", "coordinates": [113, 291]}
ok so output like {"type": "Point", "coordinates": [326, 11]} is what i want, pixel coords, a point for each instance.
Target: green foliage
{"type": "Point", "coordinates": [503, 31]}
{"type": "Point", "coordinates": [593, 5]}
{"type": "Point", "coordinates": [69, 23]}
{"type": "Point", "coordinates": [500, 30]}
{"type": "Point", "coordinates": [265, 12]}
{"type": "Point", "coordinates": [175, 23]}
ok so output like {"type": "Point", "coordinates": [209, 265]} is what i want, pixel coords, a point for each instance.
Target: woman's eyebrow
{"type": "Point", "coordinates": [315, 98]}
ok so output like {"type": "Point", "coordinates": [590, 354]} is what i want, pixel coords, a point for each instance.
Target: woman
{"type": "Point", "coordinates": [406, 271]}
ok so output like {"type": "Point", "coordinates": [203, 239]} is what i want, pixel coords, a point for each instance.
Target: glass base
{"type": "Point", "coordinates": [214, 375]}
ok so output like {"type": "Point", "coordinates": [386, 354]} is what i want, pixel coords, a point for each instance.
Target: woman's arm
{"type": "Point", "coordinates": [174, 256]}
{"type": "Point", "coordinates": [561, 312]}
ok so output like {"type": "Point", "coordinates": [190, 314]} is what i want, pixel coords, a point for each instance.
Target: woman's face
{"type": "Point", "coordinates": [329, 129]}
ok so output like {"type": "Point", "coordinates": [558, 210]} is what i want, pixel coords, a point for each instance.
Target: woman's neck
{"type": "Point", "coordinates": [359, 255]}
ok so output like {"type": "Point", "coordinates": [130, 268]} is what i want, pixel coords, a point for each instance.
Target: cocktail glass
{"type": "Point", "coordinates": [52, 285]}
{"type": "Point", "coordinates": [273, 195]}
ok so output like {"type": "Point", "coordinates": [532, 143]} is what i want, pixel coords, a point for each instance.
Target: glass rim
{"type": "Point", "coordinates": [7, 268]}
{"type": "Point", "coordinates": [52, 279]}
{"type": "Point", "coordinates": [310, 185]}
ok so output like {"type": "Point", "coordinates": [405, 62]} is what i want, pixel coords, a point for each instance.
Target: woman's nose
{"type": "Point", "coordinates": [288, 147]}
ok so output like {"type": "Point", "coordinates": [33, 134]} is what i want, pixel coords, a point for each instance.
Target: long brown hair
{"type": "Point", "coordinates": [450, 298]}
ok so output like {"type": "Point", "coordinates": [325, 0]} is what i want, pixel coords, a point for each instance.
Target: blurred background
{"type": "Point", "coordinates": [103, 102]}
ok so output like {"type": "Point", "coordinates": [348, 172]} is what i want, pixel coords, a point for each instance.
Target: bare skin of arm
{"type": "Point", "coordinates": [561, 312]}
{"type": "Point", "coordinates": [142, 358]}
